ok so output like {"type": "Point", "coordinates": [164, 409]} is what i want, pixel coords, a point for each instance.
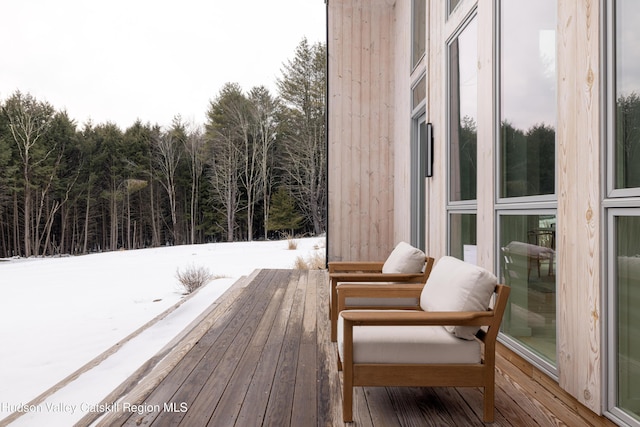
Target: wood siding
{"type": "Point", "coordinates": [580, 280]}
{"type": "Point", "coordinates": [361, 168]}
{"type": "Point", "coordinates": [402, 121]}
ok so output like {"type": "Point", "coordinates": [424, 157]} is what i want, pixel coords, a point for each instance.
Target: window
{"type": "Point", "coordinates": [528, 266]}
{"type": "Point", "coordinates": [419, 93]}
{"type": "Point", "coordinates": [452, 6]}
{"type": "Point", "coordinates": [527, 98]}
{"type": "Point", "coordinates": [623, 212]}
{"type": "Point", "coordinates": [419, 34]}
{"type": "Point", "coordinates": [527, 201]}
{"type": "Point", "coordinates": [462, 236]}
{"type": "Point", "coordinates": [625, 266]}
{"type": "Point", "coordinates": [462, 141]}
{"type": "Point", "coordinates": [627, 95]}
{"type": "Point", "coordinates": [463, 113]}
{"type": "Point", "coordinates": [418, 185]}
{"type": "Point", "coordinates": [418, 76]}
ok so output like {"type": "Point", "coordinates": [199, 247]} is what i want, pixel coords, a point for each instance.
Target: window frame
{"type": "Point", "coordinates": [610, 302]}
{"type": "Point", "coordinates": [548, 200]}
{"type": "Point", "coordinates": [622, 202]}
{"type": "Point", "coordinates": [450, 214]}
{"type": "Point", "coordinates": [418, 181]}
{"type": "Point", "coordinates": [464, 207]}
{"type": "Point", "coordinates": [451, 10]}
{"type": "Point", "coordinates": [611, 93]}
{"type": "Point", "coordinates": [416, 61]}
{"type": "Point", "coordinates": [523, 205]}
{"type": "Point", "coordinates": [544, 365]}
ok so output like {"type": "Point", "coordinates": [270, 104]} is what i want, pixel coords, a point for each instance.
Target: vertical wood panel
{"type": "Point", "coordinates": [376, 218]}
{"type": "Point", "coordinates": [436, 229]}
{"type": "Point", "coordinates": [579, 275]}
{"type": "Point", "coordinates": [360, 143]}
{"type": "Point", "coordinates": [368, 133]}
{"type": "Point", "coordinates": [401, 122]}
{"type": "Point", "coordinates": [567, 206]}
{"type": "Point", "coordinates": [386, 127]}
{"type": "Point", "coordinates": [335, 106]}
{"type": "Point", "coordinates": [347, 131]}
{"type": "Point", "coordinates": [357, 28]}
{"type": "Point", "coordinates": [589, 132]}
{"type": "Point", "coordinates": [486, 239]}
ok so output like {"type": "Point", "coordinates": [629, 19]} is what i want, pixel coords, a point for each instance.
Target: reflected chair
{"type": "Point", "coordinates": [406, 266]}
{"type": "Point", "coordinates": [544, 238]}
{"type": "Point", "coordinates": [450, 341]}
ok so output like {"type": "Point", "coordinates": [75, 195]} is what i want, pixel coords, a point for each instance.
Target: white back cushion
{"type": "Point", "coordinates": [404, 259]}
{"type": "Point", "coordinates": [455, 285]}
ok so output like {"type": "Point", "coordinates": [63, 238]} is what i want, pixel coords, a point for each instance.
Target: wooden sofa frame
{"type": "Point", "coordinates": [369, 271]}
{"type": "Point", "coordinates": [427, 375]}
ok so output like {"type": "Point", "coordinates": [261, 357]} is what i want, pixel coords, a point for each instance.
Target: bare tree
{"type": "Point", "coordinates": [227, 129]}
{"type": "Point", "coordinates": [29, 120]}
{"type": "Point", "coordinates": [302, 90]}
{"type": "Point", "coordinates": [264, 108]}
{"type": "Point", "coordinates": [195, 148]}
{"type": "Point", "coordinates": [224, 179]}
{"type": "Point", "coordinates": [168, 150]}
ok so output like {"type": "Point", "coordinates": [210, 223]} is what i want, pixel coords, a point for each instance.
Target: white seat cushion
{"type": "Point", "coordinates": [404, 259]}
{"type": "Point", "coordinates": [455, 285]}
{"type": "Point", "coordinates": [408, 344]}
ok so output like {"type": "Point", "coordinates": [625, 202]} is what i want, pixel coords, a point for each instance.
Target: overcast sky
{"type": "Point", "coordinates": [120, 60]}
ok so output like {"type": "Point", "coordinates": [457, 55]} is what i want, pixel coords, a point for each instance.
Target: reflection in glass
{"type": "Point", "coordinates": [628, 313]}
{"type": "Point", "coordinates": [627, 156]}
{"type": "Point", "coordinates": [527, 97]}
{"type": "Point", "coordinates": [462, 238]}
{"type": "Point", "coordinates": [463, 105]}
{"type": "Point", "coordinates": [527, 264]}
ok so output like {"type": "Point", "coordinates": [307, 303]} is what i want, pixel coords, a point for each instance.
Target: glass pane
{"type": "Point", "coordinates": [462, 240]}
{"type": "Point", "coordinates": [528, 265]}
{"type": "Point", "coordinates": [419, 30]}
{"type": "Point", "coordinates": [527, 97]}
{"type": "Point", "coordinates": [419, 92]}
{"type": "Point", "coordinates": [452, 5]}
{"type": "Point", "coordinates": [627, 156]}
{"type": "Point", "coordinates": [463, 106]}
{"type": "Point", "coordinates": [628, 322]}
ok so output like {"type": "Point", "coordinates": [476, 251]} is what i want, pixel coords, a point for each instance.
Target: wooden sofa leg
{"type": "Point", "coordinates": [347, 400]}
{"type": "Point", "coordinates": [489, 403]}
{"type": "Point", "coordinates": [333, 313]}
{"type": "Point", "coordinates": [334, 327]}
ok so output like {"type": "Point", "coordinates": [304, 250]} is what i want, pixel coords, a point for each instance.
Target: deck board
{"type": "Point", "coordinates": [267, 360]}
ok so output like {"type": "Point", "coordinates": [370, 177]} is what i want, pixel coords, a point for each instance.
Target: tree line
{"type": "Point", "coordinates": [256, 167]}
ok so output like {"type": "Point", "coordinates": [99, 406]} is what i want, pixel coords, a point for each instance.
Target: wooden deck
{"type": "Point", "coordinates": [261, 356]}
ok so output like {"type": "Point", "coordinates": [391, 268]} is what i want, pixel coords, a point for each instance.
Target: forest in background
{"type": "Point", "coordinates": [255, 168]}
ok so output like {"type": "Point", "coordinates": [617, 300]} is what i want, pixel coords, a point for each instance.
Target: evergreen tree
{"type": "Point", "coordinates": [228, 119]}
{"type": "Point", "coordinates": [302, 89]}
{"type": "Point", "coordinates": [28, 121]}
{"type": "Point", "coordinates": [283, 213]}
{"type": "Point", "coordinates": [99, 188]}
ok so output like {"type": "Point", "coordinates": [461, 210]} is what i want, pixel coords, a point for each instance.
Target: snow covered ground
{"type": "Point", "coordinates": [58, 314]}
